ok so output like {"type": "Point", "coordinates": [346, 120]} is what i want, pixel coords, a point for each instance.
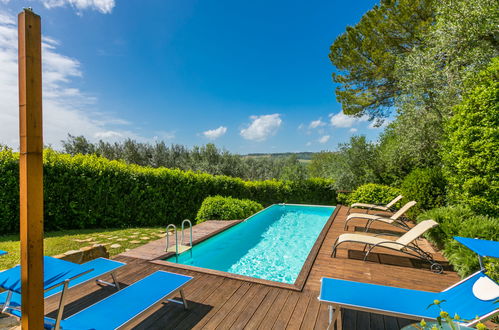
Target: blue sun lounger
{"type": "Point", "coordinates": [473, 298]}
{"type": "Point", "coordinates": [91, 270]}
{"type": "Point", "coordinates": [121, 308]}
{"type": "Point", "coordinates": [2, 252]}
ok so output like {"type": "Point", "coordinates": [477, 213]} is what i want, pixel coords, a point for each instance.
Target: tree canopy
{"type": "Point", "coordinates": [366, 54]}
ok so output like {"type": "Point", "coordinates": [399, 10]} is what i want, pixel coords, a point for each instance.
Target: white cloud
{"type": "Point", "coordinates": [345, 121]}
{"type": "Point", "coordinates": [309, 144]}
{"type": "Point", "coordinates": [262, 127]}
{"type": "Point", "coordinates": [214, 134]}
{"type": "Point", "coordinates": [324, 139]}
{"type": "Point", "coordinates": [316, 123]}
{"type": "Point", "coordinates": [353, 130]}
{"type": "Point", "coordinates": [103, 6]}
{"type": "Point", "coordinates": [66, 109]}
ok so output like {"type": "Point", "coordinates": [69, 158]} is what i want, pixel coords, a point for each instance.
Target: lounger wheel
{"type": "Point", "coordinates": [437, 268]}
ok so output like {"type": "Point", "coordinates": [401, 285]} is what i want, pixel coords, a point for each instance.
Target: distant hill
{"type": "Point", "coordinates": [299, 155]}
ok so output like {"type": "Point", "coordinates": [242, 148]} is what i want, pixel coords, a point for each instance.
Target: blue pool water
{"type": "Point", "coordinates": [271, 245]}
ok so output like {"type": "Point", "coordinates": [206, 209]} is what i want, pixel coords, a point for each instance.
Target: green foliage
{"type": "Point", "coordinates": [413, 56]}
{"type": "Point", "coordinates": [426, 186]}
{"type": "Point", "coordinates": [449, 220]}
{"type": "Point", "coordinates": [226, 208]}
{"type": "Point", "coordinates": [460, 221]}
{"type": "Point", "coordinates": [352, 165]}
{"type": "Point", "coordinates": [366, 54]}
{"type": "Point", "coordinates": [370, 193]}
{"type": "Point", "coordinates": [87, 191]}
{"type": "Point", "coordinates": [471, 157]}
{"type": "Point", "coordinates": [9, 191]}
{"type": "Point", "coordinates": [431, 77]}
{"type": "Point", "coordinates": [207, 159]}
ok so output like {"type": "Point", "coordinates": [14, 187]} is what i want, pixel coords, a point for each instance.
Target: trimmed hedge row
{"type": "Point", "coordinates": [226, 208]}
{"type": "Point", "coordinates": [87, 191]}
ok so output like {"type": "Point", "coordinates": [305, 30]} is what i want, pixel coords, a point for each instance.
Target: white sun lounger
{"type": "Point", "coordinates": [405, 243]}
{"type": "Point", "coordinates": [386, 207]}
{"type": "Point", "coordinates": [395, 219]}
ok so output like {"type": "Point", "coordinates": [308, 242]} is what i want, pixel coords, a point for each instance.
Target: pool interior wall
{"type": "Point", "coordinates": [272, 244]}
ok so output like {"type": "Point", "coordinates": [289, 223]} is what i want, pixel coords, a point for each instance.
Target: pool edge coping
{"type": "Point", "coordinates": [300, 281]}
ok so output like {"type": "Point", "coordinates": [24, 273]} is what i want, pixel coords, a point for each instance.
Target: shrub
{"type": "Point", "coordinates": [426, 186]}
{"type": "Point", "coordinates": [449, 220]}
{"type": "Point", "coordinates": [226, 208]}
{"type": "Point", "coordinates": [460, 221]}
{"type": "Point", "coordinates": [470, 151]}
{"type": "Point", "coordinates": [87, 191]}
{"type": "Point", "coordinates": [371, 193]}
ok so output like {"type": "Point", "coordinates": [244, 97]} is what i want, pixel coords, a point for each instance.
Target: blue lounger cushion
{"type": "Point", "coordinates": [124, 305]}
{"type": "Point", "coordinates": [2, 252]}
{"type": "Point", "coordinates": [459, 298]}
{"type": "Point", "coordinates": [99, 267]}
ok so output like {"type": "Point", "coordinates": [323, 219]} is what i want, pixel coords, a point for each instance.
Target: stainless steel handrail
{"type": "Point", "coordinates": [190, 233]}
{"type": "Point", "coordinates": [168, 237]}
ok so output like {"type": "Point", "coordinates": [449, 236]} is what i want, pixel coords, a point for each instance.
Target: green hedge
{"type": "Point", "coordinates": [370, 193]}
{"type": "Point", "coordinates": [460, 221]}
{"type": "Point", "coordinates": [90, 192]}
{"type": "Point", "coordinates": [471, 162]}
{"type": "Point", "coordinates": [427, 187]}
{"type": "Point", "coordinates": [226, 208]}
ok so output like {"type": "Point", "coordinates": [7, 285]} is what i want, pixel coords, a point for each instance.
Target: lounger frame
{"type": "Point", "coordinates": [57, 324]}
{"type": "Point", "coordinates": [412, 249]}
{"type": "Point", "coordinates": [66, 287]}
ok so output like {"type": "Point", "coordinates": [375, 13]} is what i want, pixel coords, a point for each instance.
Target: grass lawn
{"type": "Point", "coordinates": [57, 242]}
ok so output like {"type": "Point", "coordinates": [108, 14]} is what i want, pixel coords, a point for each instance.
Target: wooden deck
{"type": "Point", "coordinates": [226, 303]}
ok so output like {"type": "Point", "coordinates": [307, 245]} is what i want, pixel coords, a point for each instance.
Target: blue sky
{"type": "Point", "coordinates": [251, 76]}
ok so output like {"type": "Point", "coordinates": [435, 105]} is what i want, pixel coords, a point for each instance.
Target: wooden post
{"type": "Point", "coordinates": [31, 169]}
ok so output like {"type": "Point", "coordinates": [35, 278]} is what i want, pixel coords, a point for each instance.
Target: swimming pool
{"type": "Point", "coordinates": [272, 244]}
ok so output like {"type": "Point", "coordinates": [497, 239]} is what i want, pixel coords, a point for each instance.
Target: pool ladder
{"type": "Point", "coordinates": [179, 248]}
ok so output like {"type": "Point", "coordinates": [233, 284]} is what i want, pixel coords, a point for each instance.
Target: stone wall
{"type": "Point", "coordinates": [84, 254]}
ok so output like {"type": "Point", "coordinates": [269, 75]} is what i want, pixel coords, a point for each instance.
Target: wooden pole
{"type": "Point", "coordinates": [31, 169]}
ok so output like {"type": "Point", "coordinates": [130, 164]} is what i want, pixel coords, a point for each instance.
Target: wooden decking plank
{"type": "Point", "coordinates": [168, 312]}
{"type": "Point", "coordinates": [299, 312]}
{"type": "Point", "coordinates": [403, 322]}
{"type": "Point", "coordinates": [391, 323]}
{"type": "Point", "coordinates": [195, 301]}
{"type": "Point", "coordinates": [211, 305]}
{"type": "Point", "coordinates": [310, 316]}
{"type": "Point", "coordinates": [274, 310]}
{"type": "Point", "coordinates": [377, 321]}
{"type": "Point", "coordinates": [363, 320]}
{"type": "Point", "coordinates": [262, 310]}
{"type": "Point", "coordinates": [244, 310]}
{"type": "Point", "coordinates": [322, 316]}
{"type": "Point", "coordinates": [214, 321]}
{"type": "Point", "coordinates": [284, 316]}
{"type": "Point", "coordinates": [349, 319]}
